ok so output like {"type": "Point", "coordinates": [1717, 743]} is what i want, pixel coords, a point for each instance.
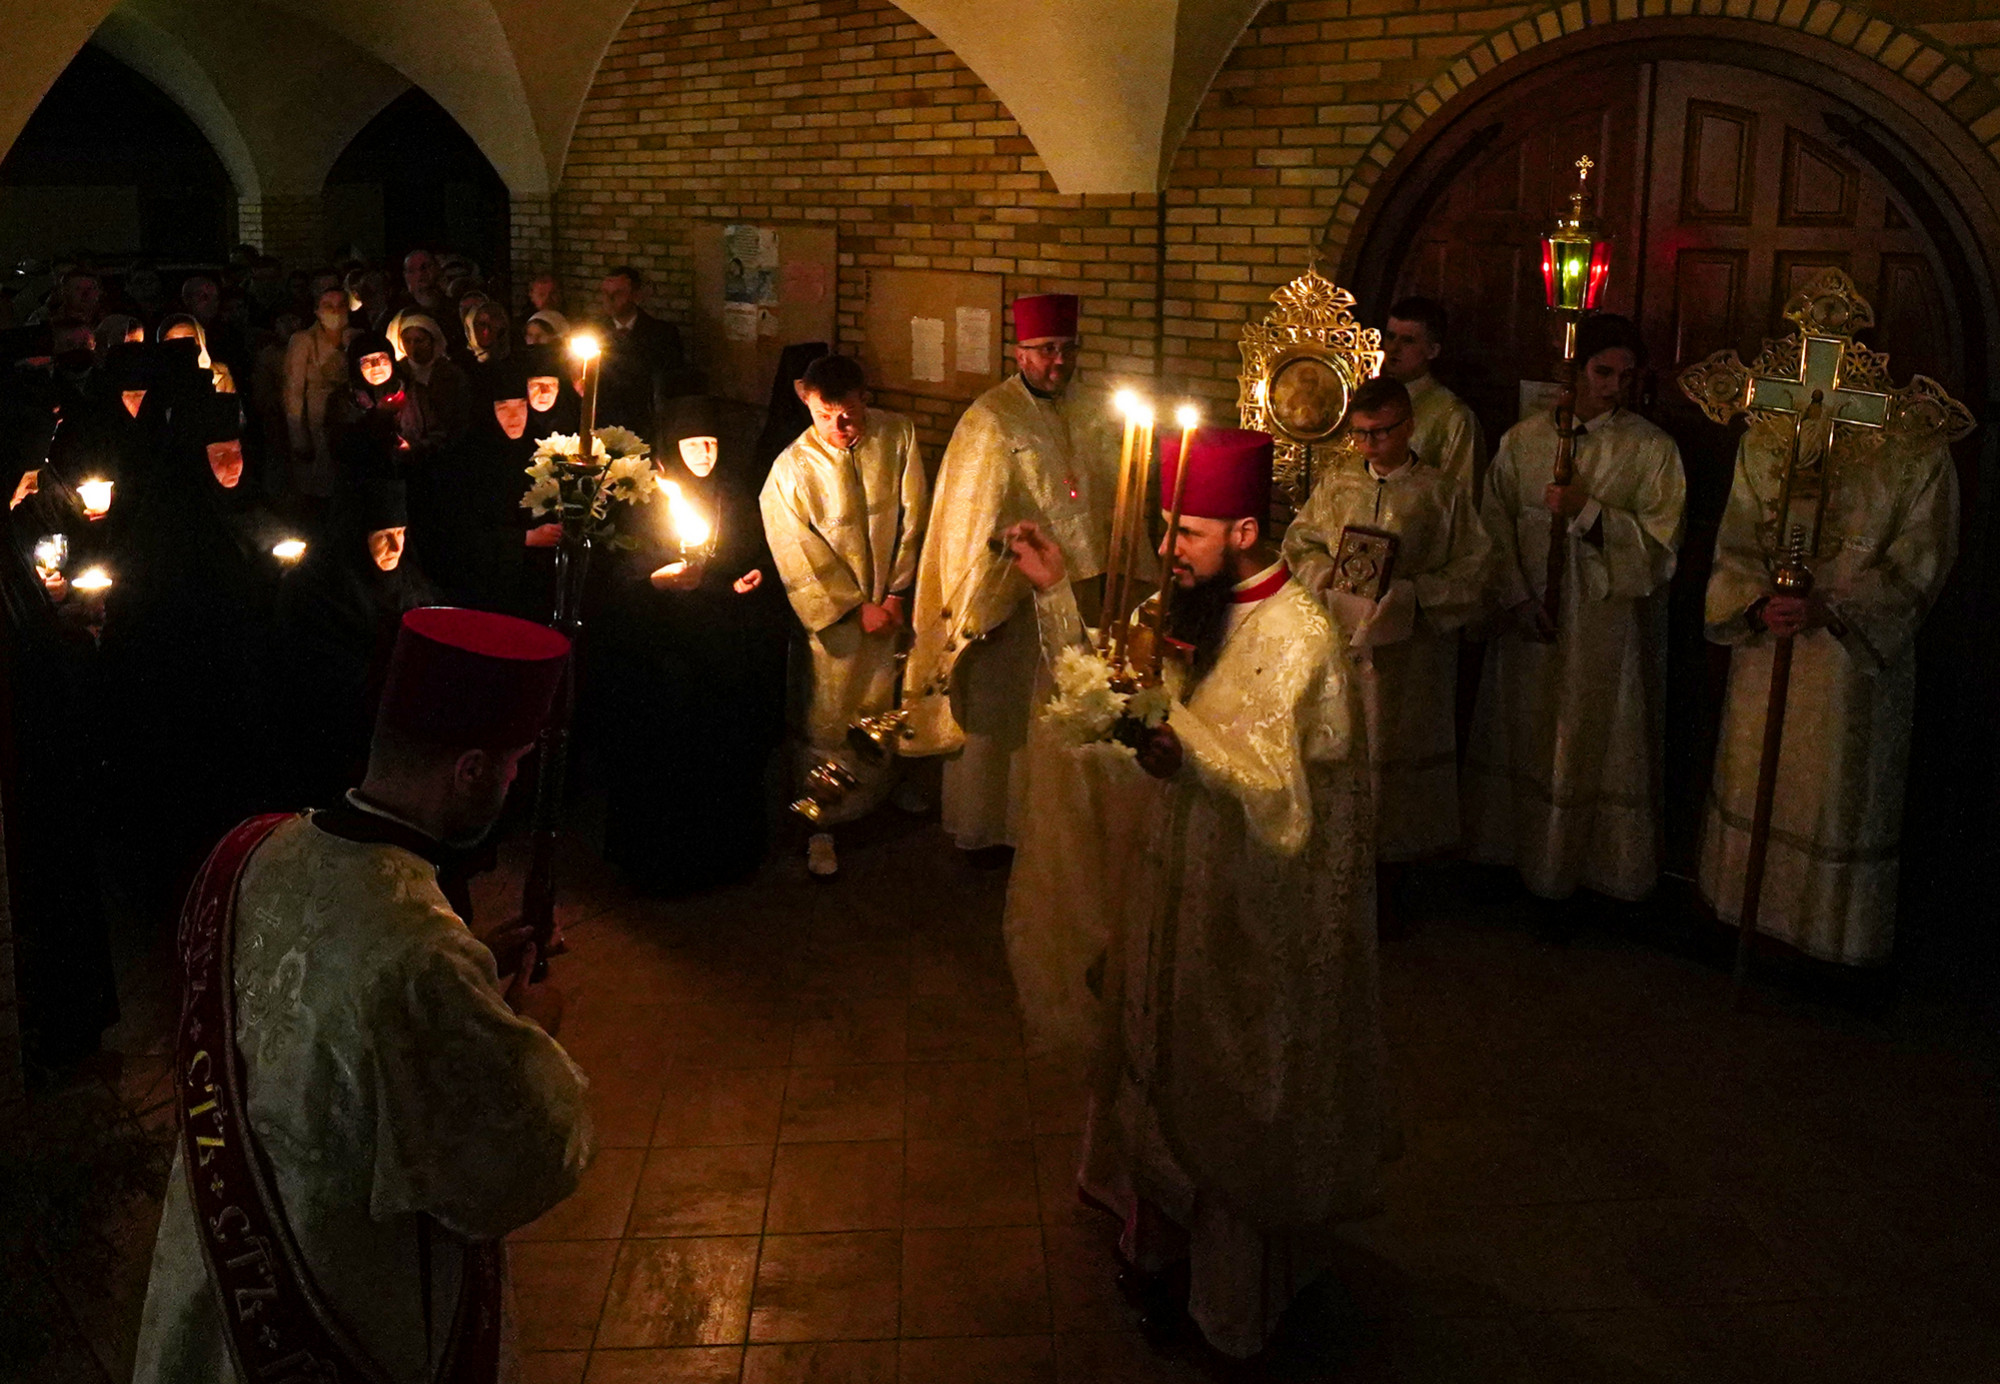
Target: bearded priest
{"type": "Point", "coordinates": [1032, 448]}
{"type": "Point", "coordinates": [1241, 1115]}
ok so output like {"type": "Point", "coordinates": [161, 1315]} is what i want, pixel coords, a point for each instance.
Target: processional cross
{"type": "Point", "coordinates": [1826, 382]}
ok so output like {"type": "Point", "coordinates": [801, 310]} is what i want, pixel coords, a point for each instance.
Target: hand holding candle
{"type": "Point", "coordinates": [96, 496]}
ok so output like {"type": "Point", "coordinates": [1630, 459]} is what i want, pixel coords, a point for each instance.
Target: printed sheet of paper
{"type": "Point", "coordinates": [750, 264]}
{"type": "Point", "coordinates": [927, 349]}
{"type": "Point", "coordinates": [739, 321]}
{"type": "Point", "coordinates": [975, 341]}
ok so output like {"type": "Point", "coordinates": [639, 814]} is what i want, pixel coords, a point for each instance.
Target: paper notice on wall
{"type": "Point", "coordinates": [927, 349]}
{"type": "Point", "coordinates": [750, 264]}
{"type": "Point", "coordinates": [975, 341]}
{"type": "Point", "coordinates": [739, 321]}
{"type": "Point", "coordinates": [768, 325]}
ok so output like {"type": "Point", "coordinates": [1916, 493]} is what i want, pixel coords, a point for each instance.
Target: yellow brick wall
{"type": "Point", "coordinates": [846, 112]}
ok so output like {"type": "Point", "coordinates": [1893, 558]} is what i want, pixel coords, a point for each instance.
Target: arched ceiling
{"type": "Point", "coordinates": [1104, 89]}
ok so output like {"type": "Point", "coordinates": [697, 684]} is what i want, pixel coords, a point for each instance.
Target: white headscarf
{"type": "Point", "coordinates": [403, 322]}
{"type": "Point", "coordinates": [551, 319]}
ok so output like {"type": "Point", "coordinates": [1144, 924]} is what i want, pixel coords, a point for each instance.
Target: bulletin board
{"type": "Point", "coordinates": [932, 332]}
{"type": "Point", "coordinates": [757, 290]}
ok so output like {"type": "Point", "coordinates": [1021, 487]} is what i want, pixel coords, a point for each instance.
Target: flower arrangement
{"type": "Point", "coordinates": [579, 493]}
{"type": "Point", "coordinates": [1088, 709]}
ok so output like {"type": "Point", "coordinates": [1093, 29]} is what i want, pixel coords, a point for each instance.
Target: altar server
{"type": "Point", "coordinates": [1446, 436]}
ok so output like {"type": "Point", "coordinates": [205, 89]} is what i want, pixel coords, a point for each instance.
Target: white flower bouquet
{"type": "Point", "coordinates": [1087, 709]}
{"type": "Point", "coordinates": [580, 492]}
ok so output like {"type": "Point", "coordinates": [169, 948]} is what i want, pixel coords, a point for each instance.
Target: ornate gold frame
{"type": "Point", "coordinates": [1314, 321]}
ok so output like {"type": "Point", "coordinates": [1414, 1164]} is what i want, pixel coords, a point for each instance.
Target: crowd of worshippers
{"type": "Point", "coordinates": [222, 499]}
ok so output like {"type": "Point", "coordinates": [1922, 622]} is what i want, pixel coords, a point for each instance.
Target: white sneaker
{"type": "Point", "coordinates": [821, 862]}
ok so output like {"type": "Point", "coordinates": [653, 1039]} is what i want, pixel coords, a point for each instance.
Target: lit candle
{"type": "Point", "coordinates": [1189, 417]}
{"type": "Point", "coordinates": [692, 529]}
{"type": "Point", "coordinates": [93, 581]}
{"type": "Point", "coordinates": [1127, 403]}
{"type": "Point", "coordinates": [51, 552]}
{"type": "Point", "coordinates": [585, 348]}
{"type": "Point", "coordinates": [288, 550]}
{"type": "Point", "coordinates": [1127, 558]}
{"type": "Point", "coordinates": [96, 496]}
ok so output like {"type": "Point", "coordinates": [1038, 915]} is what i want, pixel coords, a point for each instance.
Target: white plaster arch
{"type": "Point", "coordinates": [161, 59]}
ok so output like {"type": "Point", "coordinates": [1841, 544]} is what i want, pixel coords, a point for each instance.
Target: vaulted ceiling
{"type": "Point", "coordinates": [1103, 88]}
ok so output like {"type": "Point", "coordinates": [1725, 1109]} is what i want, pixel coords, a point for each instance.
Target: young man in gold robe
{"type": "Point", "coordinates": [844, 510]}
{"type": "Point", "coordinates": [1402, 642]}
{"type": "Point", "coordinates": [1446, 435]}
{"type": "Point", "coordinates": [1034, 447]}
{"type": "Point", "coordinates": [408, 1106]}
{"type": "Point", "coordinates": [1238, 1116]}
{"type": "Point", "coordinates": [1887, 543]}
{"type": "Point", "coordinates": [1562, 776]}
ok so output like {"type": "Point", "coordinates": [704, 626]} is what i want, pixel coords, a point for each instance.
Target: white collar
{"type": "Point", "coordinates": [1250, 582]}
{"type": "Point", "coordinates": [1602, 420]}
{"type": "Point", "coordinates": [361, 804]}
{"type": "Point", "coordinates": [625, 324]}
{"type": "Point", "coordinates": [1409, 460]}
{"type": "Point", "coordinates": [1422, 384]}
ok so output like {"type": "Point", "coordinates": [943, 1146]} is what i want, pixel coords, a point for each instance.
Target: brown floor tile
{"type": "Point", "coordinates": [597, 1210]}
{"type": "Point", "coordinates": [967, 1100]}
{"type": "Point", "coordinates": [1058, 1094]}
{"type": "Point", "coordinates": [837, 1186]}
{"type": "Point", "coordinates": [559, 1290]}
{"type": "Point", "coordinates": [1056, 1160]}
{"type": "Point", "coordinates": [721, 1105]}
{"type": "Point", "coordinates": [1083, 1277]}
{"type": "Point", "coordinates": [979, 1360]}
{"type": "Point", "coordinates": [958, 1183]}
{"type": "Point", "coordinates": [976, 1282]}
{"type": "Point", "coordinates": [1481, 1162]}
{"type": "Point", "coordinates": [962, 965]}
{"type": "Point", "coordinates": [553, 1366]}
{"type": "Point", "coordinates": [702, 1191]}
{"type": "Point", "coordinates": [624, 1108]}
{"type": "Point", "coordinates": [955, 1028]}
{"type": "Point", "coordinates": [843, 1103]}
{"type": "Point", "coordinates": [1554, 1258]}
{"type": "Point", "coordinates": [822, 1362]}
{"type": "Point", "coordinates": [849, 1028]}
{"type": "Point", "coordinates": [827, 1287]}
{"type": "Point", "coordinates": [873, 967]}
{"type": "Point", "coordinates": [736, 1033]}
{"type": "Point", "coordinates": [1686, 1252]}
{"type": "Point", "coordinates": [688, 1365]}
{"type": "Point", "coordinates": [679, 1293]}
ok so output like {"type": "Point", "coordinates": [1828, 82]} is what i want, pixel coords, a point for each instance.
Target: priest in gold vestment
{"type": "Point", "coordinates": [407, 1102]}
{"type": "Point", "coordinates": [1562, 774]}
{"type": "Point", "coordinates": [1887, 543]}
{"type": "Point", "coordinates": [1403, 645]}
{"type": "Point", "coordinates": [1238, 1115]}
{"type": "Point", "coordinates": [844, 509]}
{"type": "Point", "coordinates": [1034, 447]}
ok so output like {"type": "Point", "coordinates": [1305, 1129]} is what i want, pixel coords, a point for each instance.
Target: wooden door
{"type": "Point", "coordinates": [1724, 189]}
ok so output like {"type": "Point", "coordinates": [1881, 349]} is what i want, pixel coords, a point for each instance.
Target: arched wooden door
{"type": "Point", "coordinates": [1724, 188]}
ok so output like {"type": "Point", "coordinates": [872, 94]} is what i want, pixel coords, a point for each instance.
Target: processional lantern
{"type": "Point", "coordinates": [1830, 403]}
{"type": "Point", "coordinates": [1576, 259]}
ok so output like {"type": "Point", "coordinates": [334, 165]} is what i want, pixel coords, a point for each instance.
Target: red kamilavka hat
{"type": "Point", "coordinates": [1229, 477]}
{"type": "Point", "coordinates": [1043, 315]}
{"type": "Point", "coordinates": [470, 679]}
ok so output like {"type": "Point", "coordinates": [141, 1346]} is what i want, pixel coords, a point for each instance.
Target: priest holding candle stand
{"type": "Point", "coordinates": [1036, 448]}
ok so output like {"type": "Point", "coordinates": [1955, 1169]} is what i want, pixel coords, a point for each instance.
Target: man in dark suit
{"type": "Point", "coordinates": [644, 362]}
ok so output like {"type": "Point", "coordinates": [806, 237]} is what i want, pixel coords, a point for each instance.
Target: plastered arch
{"type": "Point", "coordinates": [163, 60]}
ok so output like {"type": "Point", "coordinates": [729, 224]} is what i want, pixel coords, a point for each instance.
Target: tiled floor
{"type": "Point", "coordinates": [827, 1158]}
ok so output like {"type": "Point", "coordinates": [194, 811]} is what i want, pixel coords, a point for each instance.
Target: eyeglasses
{"type": "Point", "coordinates": [1382, 434]}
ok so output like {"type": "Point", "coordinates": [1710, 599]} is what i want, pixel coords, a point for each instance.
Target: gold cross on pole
{"type": "Point", "coordinates": [1818, 381]}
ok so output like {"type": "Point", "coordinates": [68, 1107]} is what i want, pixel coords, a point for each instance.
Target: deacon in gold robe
{"type": "Point", "coordinates": [1887, 543]}
{"type": "Point", "coordinates": [1033, 447]}
{"type": "Point", "coordinates": [1240, 1118]}
{"type": "Point", "coordinates": [408, 1103]}
{"type": "Point", "coordinates": [1403, 644]}
{"type": "Point", "coordinates": [1562, 775]}
{"type": "Point", "coordinates": [1446, 436]}
{"type": "Point", "coordinates": [844, 509]}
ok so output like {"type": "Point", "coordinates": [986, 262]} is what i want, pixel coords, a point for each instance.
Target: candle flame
{"type": "Point", "coordinates": [1126, 402]}
{"type": "Point", "coordinates": [584, 346]}
{"type": "Point", "coordinates": [96, 496]}
{"type": "Point", "coordinates": [1142, 415]}
{"type": "Point", "coordinates": [691, 526]}
{"type": "Point", "coordinates": [93, 579]}
{"type": "Point", "coordinates": [289, 549]}
{"type": "Point", "coordinates": [1188, 416]}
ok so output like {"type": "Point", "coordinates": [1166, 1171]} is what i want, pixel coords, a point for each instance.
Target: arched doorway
{"type": "Point", "coordinates": [1732, 167]}
{"type": "Point", "coordinates": [414, 178]}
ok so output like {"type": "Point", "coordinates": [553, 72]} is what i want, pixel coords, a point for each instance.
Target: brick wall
{"type": "Point", "coordinates": [845, 111]}
{"type": "Point", "coordinates": [291, 228]}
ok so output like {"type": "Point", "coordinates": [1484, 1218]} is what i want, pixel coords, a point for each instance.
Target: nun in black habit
{"type": "Point", "coordinates": [338, 612]}
{"type": "Point", "coordinates": [691, 666]}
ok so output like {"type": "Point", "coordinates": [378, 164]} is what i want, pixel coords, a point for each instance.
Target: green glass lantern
{"type": "Point", "coordinates": [1576, 258]}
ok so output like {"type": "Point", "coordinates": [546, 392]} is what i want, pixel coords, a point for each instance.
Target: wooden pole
{"type": "Point", "coordinates": [1563, 472]}
{"type": "Point", "coordinates": [1760, 813]}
